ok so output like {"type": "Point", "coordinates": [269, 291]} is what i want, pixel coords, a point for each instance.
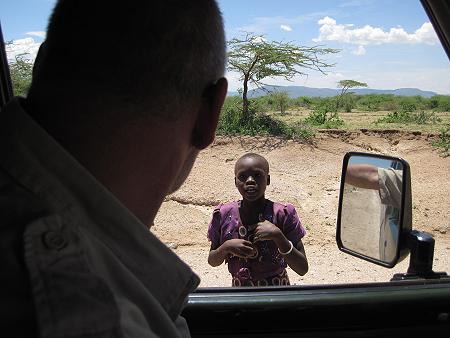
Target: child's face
{"type": "Point", "coordinates": [251, 178]}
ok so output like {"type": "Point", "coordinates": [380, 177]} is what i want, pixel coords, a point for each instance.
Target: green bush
{"type": "Point", "coordinates": [421, 117]}
{"type": "Point", "coordinates": [325, 115]}
{"type": "Point", "coordinates": [262, 103]}
{"type": "Point", "coordinates": [318, 116]}
{"type": "Point", "coordinates": [444, 141]}
{"type": "Point", "coordinates": [231, 123]}
{"type": "Point", "coordinates": [229, 120]}
{"type": "Point", "coordinates": [302, 102]}
{"type": "Point", "coordinates": [21, 70]}
{"type": "Point", "coordinates": [279, 101]}
{"type": "Point", "coordinates": [347, 102]}
{"type": "Point", "coordinates": [408, 104]}
{"type": "Point", "coordinates": [334, 123]}
{"type": "Point", "coordinates": [389, 102]}
{"type": "Point", "coordinates": [439, 103]}
{"type": "Point", "coordinates": [424, 117]}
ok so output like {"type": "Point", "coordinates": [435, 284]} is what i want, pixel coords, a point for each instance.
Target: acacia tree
{"type": "Point", "coordinates": [21, 70]}
{"type": "Point", "coordinates": [346, 85]}
{"type": "Point", "coordinates": [256, 59]}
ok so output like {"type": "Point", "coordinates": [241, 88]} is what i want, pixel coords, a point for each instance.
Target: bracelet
{"type": "Point", "coordinates": [287, 252]}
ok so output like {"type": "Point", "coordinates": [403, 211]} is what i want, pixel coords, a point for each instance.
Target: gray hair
{"type": "Point", "coordinates": [152, 57]}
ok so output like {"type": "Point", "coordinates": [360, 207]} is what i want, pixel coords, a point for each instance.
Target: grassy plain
{"type": "Point", "coordinates": [356, 120]}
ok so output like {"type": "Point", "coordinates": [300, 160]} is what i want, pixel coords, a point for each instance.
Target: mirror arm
{"type": "Point", "coordinates": [421, 246]}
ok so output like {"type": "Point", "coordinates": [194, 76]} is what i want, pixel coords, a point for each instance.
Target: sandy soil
{"type": "Point", "coordinates": [308, 176]}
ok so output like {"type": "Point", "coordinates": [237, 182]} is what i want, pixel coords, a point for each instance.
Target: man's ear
{"type": "Point", "coordinates": [268, 180]}
{"type": "Point", "coordinates": [208, 114]}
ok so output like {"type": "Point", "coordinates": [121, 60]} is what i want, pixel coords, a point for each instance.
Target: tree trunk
{"type": "Point", "coordinates": [245, 112]}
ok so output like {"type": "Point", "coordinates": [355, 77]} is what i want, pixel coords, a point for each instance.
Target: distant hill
{"type": "Point", "coordinates": [297, 91]}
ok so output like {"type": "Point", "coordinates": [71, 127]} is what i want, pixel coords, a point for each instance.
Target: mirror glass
{"type": "Point", "coordinates": [371, 206]}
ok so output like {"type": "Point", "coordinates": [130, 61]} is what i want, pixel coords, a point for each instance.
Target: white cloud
{"type": "Point", "coordinates": [330, 30]}
{"type": "Point", "coordinates": [233, 81]}
{"type": "Point", "coordinates": [26, 46]}
{"type": "Point", "coordinates": [286, 28]}
{"type": "Point", "coordinates": [258, 39]}
{"type": "Point", "coordinates": [359, 51]}
{"type": "Point", "coordinates": [260, 25]}
{"type": "Point", "coordinates": [40, 34]}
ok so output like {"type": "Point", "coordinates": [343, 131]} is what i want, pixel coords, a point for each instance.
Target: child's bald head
{"type": "Point", "coordinates": [256, 158]}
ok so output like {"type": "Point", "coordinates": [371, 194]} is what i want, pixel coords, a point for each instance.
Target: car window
{"type": "Point", "coordinates": [374, 78]}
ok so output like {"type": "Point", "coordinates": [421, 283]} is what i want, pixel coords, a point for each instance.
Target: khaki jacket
{"type": "Point", "coordinates": [74, 261]}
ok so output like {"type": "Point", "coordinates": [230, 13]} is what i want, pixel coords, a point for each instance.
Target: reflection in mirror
{"type": "Point", "coordinates": [371, 203]}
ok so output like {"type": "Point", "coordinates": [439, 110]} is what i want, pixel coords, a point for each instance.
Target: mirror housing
{"type": "Point", "coordinates": [375, 208]}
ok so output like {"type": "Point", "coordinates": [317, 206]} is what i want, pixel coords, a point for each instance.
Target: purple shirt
{"type": "Point", "coordinates": [226, 224]}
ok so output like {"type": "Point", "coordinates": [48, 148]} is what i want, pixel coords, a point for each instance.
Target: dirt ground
{"type": "Point", "coordinates": [308, 176]}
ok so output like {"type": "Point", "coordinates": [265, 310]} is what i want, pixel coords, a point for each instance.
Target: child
{"type": "Point", "coordinates": [258, 238]}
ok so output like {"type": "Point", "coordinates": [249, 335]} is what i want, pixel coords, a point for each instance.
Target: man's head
{"type": "Point", "coordinates": [251, 173]}
{"type": "Point", "coordinates": [133, 90]}
{"type": "Point", "coordinates": [148, 57]}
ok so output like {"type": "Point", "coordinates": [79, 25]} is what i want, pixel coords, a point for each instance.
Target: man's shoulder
{"type": "Point", "coordinates": [18, 205]}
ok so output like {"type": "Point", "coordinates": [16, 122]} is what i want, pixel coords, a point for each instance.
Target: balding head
{"type": "Point", "coordinates": [146, 57]}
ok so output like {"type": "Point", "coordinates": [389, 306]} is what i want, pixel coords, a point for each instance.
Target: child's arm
{"type": "Point", "coordinates": [294, 253]}
{"type": "Point", "coordinates": [233, 247]}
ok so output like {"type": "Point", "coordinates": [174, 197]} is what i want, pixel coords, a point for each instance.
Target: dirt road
{"type": "Point", "coordinates": [307, 176]}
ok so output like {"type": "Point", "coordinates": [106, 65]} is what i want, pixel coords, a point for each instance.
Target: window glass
{"type": "Point", "coordinates": [380, 84]}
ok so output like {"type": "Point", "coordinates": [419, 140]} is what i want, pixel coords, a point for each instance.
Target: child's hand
{"type": "Point", "coordinates": [265, 231]}
{"type": "Point", "coordinates": [239, 248]}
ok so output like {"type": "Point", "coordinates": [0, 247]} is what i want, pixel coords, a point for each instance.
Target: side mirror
{"type": "Point", "coordinates": [374, 216]}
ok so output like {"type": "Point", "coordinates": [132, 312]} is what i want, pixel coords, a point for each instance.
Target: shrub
{"type": "Point", "coordinates": [279, 101]}
{"type": "Point", "coordinates": [375, 102]}
{"type": "Point", "coordinates": [21, 72]}
{"type": "Point", "coordinates": [231, 123]}
{"type": "Point", "coordinates": [421, 117]}
{"type": "Point", "coordinates": [440, 103]}
{"type": "Point", "coordinates": [325, 115]}
{"type": "Point", "coordinates": [347, 102]}
{"type": "Point", "coordinates": [318, 116]}
{"type": "Point", "coordinates": [334, 123]}
{"type": "Point", "coordinates": [229, 120]}
{"type": "Point", "coordinates": [424, 117]}
{"type": "Point", "coordinates": [408, 105]}
{"type": "Point", "coordinates": [303, 102]}
{"type": "Point", "coordinates": [444, 141]}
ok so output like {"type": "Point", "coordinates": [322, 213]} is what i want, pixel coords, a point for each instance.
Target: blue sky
{"type": "Point", "coordinates": [386, 43]}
